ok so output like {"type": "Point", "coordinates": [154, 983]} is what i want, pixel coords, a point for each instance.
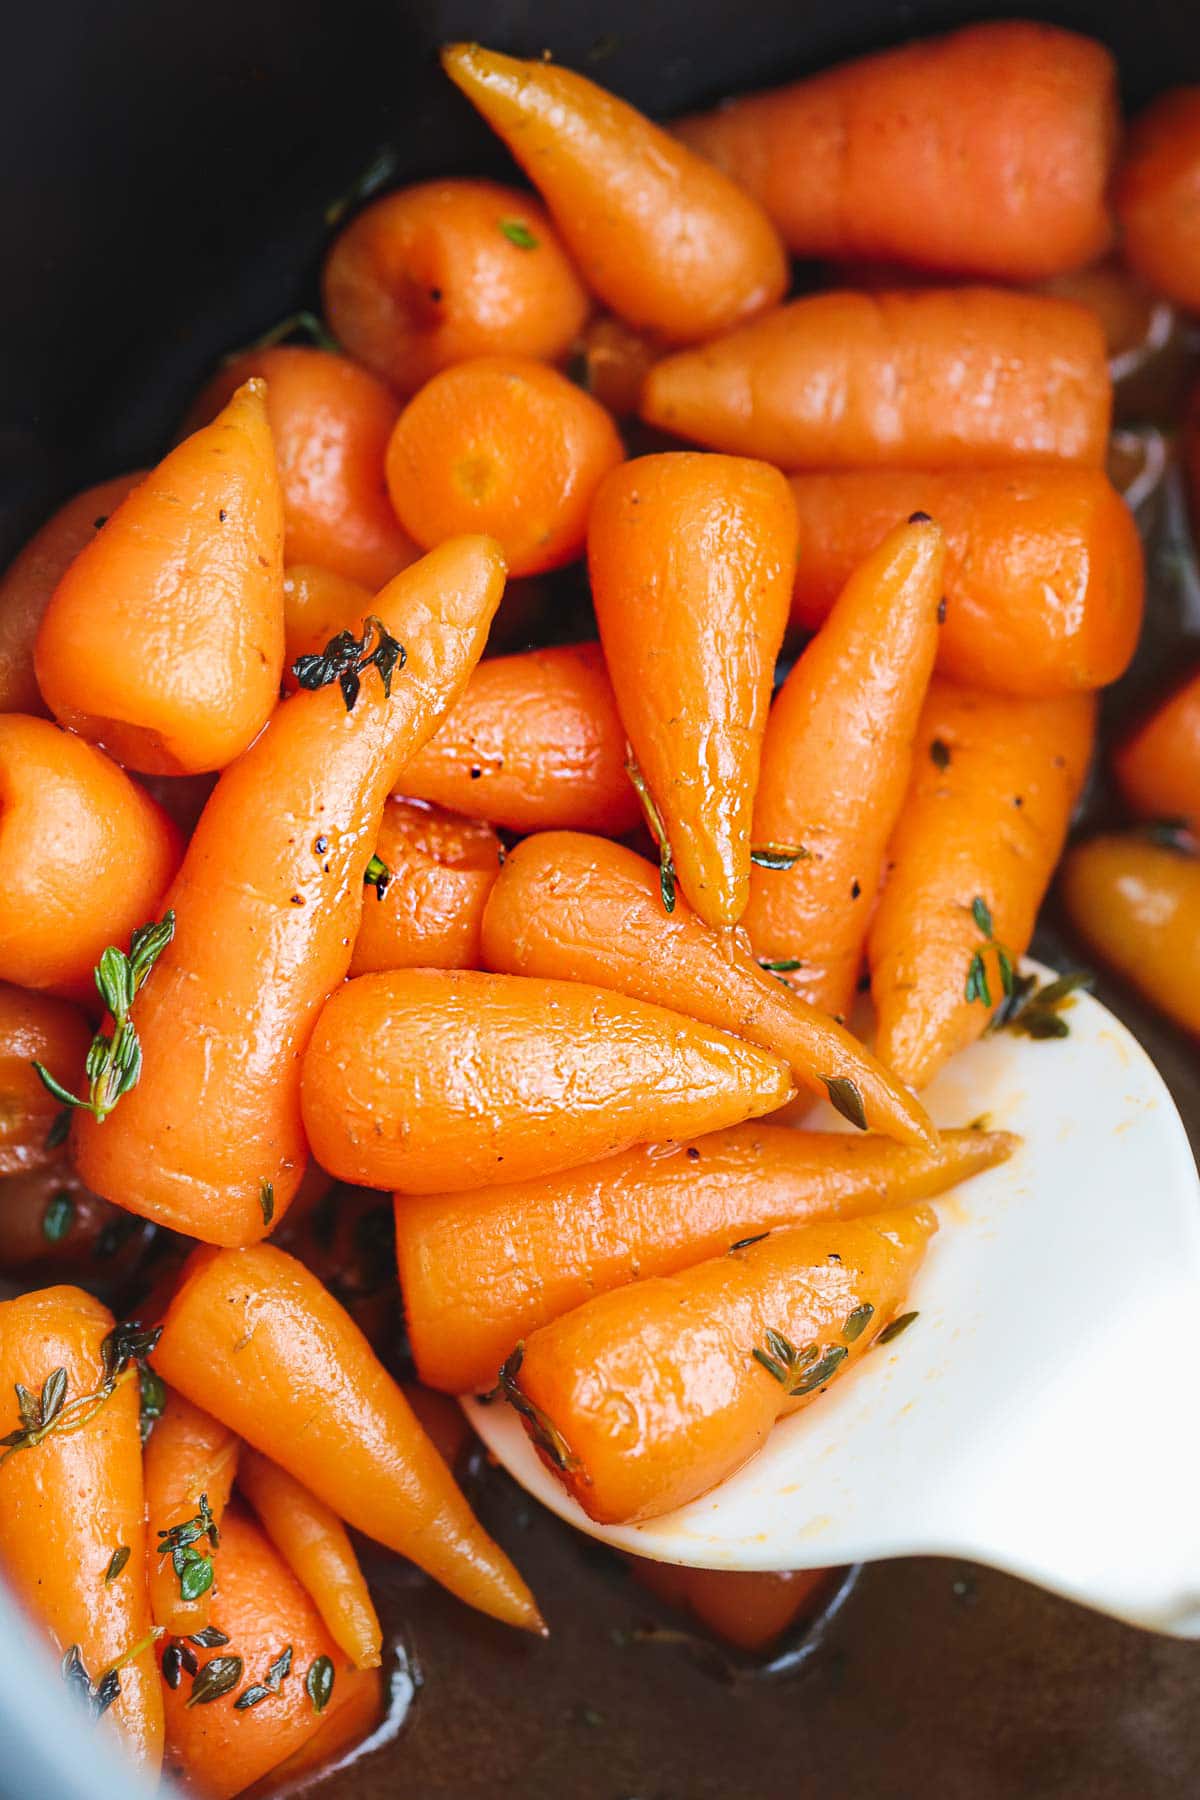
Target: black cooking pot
{"type": "Point", "coordinates": [164, 172]}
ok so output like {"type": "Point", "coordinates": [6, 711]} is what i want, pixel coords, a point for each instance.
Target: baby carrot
{"type": "Point", "coordinates": [317, 604]}
{"type": "Point", "coordinates": [1157, 766]}
{"type": "Point", "coordinates": [447, 270]}
{"type": "Point", "coordinates": [50, 1224]}
{"type": "Point", "coordinates": [86, 856]}
{"type": "Point", "coordinates": [314, 1544]}
{"type": "Point", "coordinates": [426, 1079]}
{"type": "Point", "coordinates": [579, 908]}
{"type": "Point", "coordinates": [1136, 904]}
{"type": "Point", "coordinates": [163, 642]}
{"type": "Point", "coordinates": [646, 1397]}
{"type": "Point", "coordinates": [1156, 195]}
{"type": "Point", "coordinates": [32, 576]}
{"type": "Point", "coordinates": [843, 379]}
{"type": "Point", "coordinates": [72, 1525]}
{"type": "Point", "coordinates": [504, 445]}
{"type": "Point", "coordinates": [993, 786]}
{"type": "Point", "coordinates": [836, 761]}
{"type": "Point", "coordinates": [983, 152]}
{"type": "Point", "coordinates": [425, 909]}
{"type": "Point", "coordinates": [1044, 567]}
{"type": "Point", "coordinates": [253, 1335]}
{"type": "Point", "coordinates": [615, 362]}
{"type": "Point", "coordinates": [691, 561]}
{"type": "Point", "coordinates": [191, 1461]}
{"type": "Point", "coordinates": [35, 1028]}
{"type": "Point", "coordinates": [749, 1608]}
{"type": "Point", "coordinates": [481, 1271]}
{"type": "Point", "coordinates": [355, 1710]}
{"type": "Point", "coordinates": [267, 906]}
{"type": "Point", "coordinates": [665, 240]}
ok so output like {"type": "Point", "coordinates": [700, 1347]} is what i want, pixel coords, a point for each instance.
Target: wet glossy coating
{"type": "Point", "coordinates": [1136, 904]}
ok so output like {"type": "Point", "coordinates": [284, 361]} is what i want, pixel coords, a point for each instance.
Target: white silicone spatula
{"type": "Point", "coordinates": [1042, 1414]}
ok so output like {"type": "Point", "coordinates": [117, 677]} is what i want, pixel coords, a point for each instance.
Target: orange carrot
{"type": "Point", "coordinates": [648, 1396]}
{"type": "Point", "coordinates": [267, 907]}
{"type": "Point", "coordinates": [615, 362]}
{"type": "Point", "coordinates": [691, 561]}
{"type": "Point", "coordinates": [984, 152]}
{"type": "Point", "coordinates": [1156, 195]}
{"type": "Point", "coordinates": [317, 604]}
{"type": "Point", "coordinates": [481, 1271]}
{"type": "Point", "coordinates": [314, 1544]}
{"type": "Point", "coordinates": [748, 1608]}
{"type": "Point", "coordinates": [446, 270]}
{"type": "Point", "coordinates": [191, 1461]}
{"type": "Point", "coordinates": [425, 1079]}
{"type": "Point", "coordinates": [356, 1709]}
{"type": "Point", "coordinates": [993, 786]}
{"type": "Point", "coordinates": [163, 641]}
{"type": "Point", "coordinates": [53, 1227]}
{"type": "Point", "coordinates": [568, 907]}
{"type": "Point", "coordinates": [1157, 766]}
{"type": "Point", "coordinates": [35, 1028]}
{"type": "Point", "coordinates": [666, 241]}
{"type": "Point", "coordinates": [72, 1525]}
{"type": "Point", "coordinates": [258, 1339]}
{"type": "Point", "coordinates": [1136, 904]}
{"type": "Point", "coordinates": [962, 377]}
{"type": "Point", "coordinates": [837, 756]}
{"type": "Point", "coordinates": [1044, 577]}
{"type": "Point", "coordinates": [426, 909]}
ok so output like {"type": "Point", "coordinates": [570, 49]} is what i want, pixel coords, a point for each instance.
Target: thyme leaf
{"type": "Point", "coordinates": [897, 1325]}
{"type": "Point", "coordinates": [780, 965]}
{"type": "Point", "coordinates": [778, 856]}
{"type": "Point", "coordinates": [657, 830]}
{"type": "Point", "coordinates": [346, 659]}
{"type": "Point", "coordinates": [542, 1429]}
{"type": "Point", "coordinates": [844, 1095]}
{"type": "Point", "coordinates": [1035, 1010]}
{"type": "Point", "coordinates": [318, 1683]}
{"type": "Point", "coordinates": [518, 233]}
{"type": "Point", "coordinates": [745, 1243]}
{"type": "Point", "coordinates": [377, 875]}
{"type": "Point", "coordinates": [58, 1217]}
{"type": "Point", "coordinates": [781, 1359]}
{"type": "Point", "coordinates": [117, 1561]}
{"type": "Point", "coordinates": [219, 1675]}
{"type": "Point", "coordinates": [857, 1322]}
{"type": "Point", "coordinates": [266, 1200]}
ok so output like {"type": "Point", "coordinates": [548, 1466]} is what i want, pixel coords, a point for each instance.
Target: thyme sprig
{"type": "Point", "coordinates": [978, 986]}
{"type": "Point", "coordinates": [846, 1097]}
{"type": "Point", "coordinates": [262, 1690]}
{"type": "Point", "coordinates": [193, 1567]}
{"type": "Point", "coordinates": [346, 659]}
{"type": "Point", "coordinates": [657, 830]}
{"type": "Point", "coordinates": [808, 1368]}
{"type": "Point", "coordinates": [541, 1427]}
{"type": "Point", "coordinates": [1035, 1009]}
{"type": "Point", "coordinates": [120, 1354]}
{"type": "Point", "coordinates": [99, 1695]}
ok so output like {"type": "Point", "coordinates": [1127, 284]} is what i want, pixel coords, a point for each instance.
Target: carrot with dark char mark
{"type": "Point", "coordinates": [191, 1460]}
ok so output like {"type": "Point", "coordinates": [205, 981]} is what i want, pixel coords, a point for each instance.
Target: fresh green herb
{"type": "Point", "coordinates": [657, 830]}
{"type": "Point", "coordinates": [262, 1690]}
{"type": "Point", "coordinates": [1036, 1010]}
{"type": "Point", "coordinates": [780, 965]}
{"type": "Point", "coordinates": [978, 986]}
{"type": "Point", "coordinates": [208, 1639]}
{"type": "Point", "coordinates": [99, 1695]}
{"type": "Point", "coordinates": [114, 1063]}
{"type": "Point", "coordinates": [57, 1133]}
{"type": "Point", "coordinates": [542, 1430]}
{"type": "Point", "coordinates": [266, 1200]}
{"type": "Point", "coordinates": [346, 659]}
{"type": "Point", "coordinates": [58, 1217]}
{"type": "Point", "coordinates": [219, 1675]}
{"type": "Point", "coordinates": [37, 1413]}
{"type": "Point", "coordinates": [382, 169]}
{"type": "Point", "coordinates": [318, 1683]}
{"type": "Point", "coordinates": [153, 1397]}
{"type": "Point", "coordinates": [117, 1561]}
{"type": "Point", "coordinates": [858, 1321]}
{"type": "Point", "coordinates": [172, 1665]}
{"type": "Point", "coordinates": [823, 1371]}
{"type": "Point", "coordinates": [781, 1359]}
{"type": "Point", "coordinates": [518, 233]}
{"type": "Point", "coordinates": [939, 754]}
{"type": "Point", "coordinates": [193, 1567]}
{"type": "Point", "coordinates": [897, 1325]}
{"type": "Point", "coordinates": [778, 856]}
{"type": "Point", "coordinates": [846, 1098]}
{"type": "Point", "coordinates": [745, 1243]}
{"type": "Point", "coordinates": [377, 875]}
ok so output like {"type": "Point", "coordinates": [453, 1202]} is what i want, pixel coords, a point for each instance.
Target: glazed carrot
{"type": "Point", "coordinates": [191, 1461]}
{"type": "Point", "coordinates": [1135, 321]}
{"type": "Point", "coordinates": [427, 1079]}
{"type": "Point", "coordinates": [836, 760]}
{"type": "Point", "coordinates": [615, 362]}
{"type": "Point", "coordinates": [1157, 193]}
{"type": "Point", "coordinates": [665, 240]}
{"type": "Point", "coordinates": [317, 604]}
{"type": "Point", "coordinates": [1157, 766]}
{"type": "Point", "coordinates": [748, 1608]}
{"type": "Point", "coordinates": [71, 1502]}
{"type": "Point", "coordinates": [1044, 568]}
{"type": "Point", "coordinates": [86, 856]}
{"type": "Point", "coordinates": [253, 1335]}
{"type": "Point", "coordinates": [35, 1028]}
{"type": "Point", "coordinates": [33, 575]}
{"type": "Point", "coordinates": [502, 444]}
{"type": "Point", "coordinates": [576, 908]}
{"type": "Point", "coordinates": [214, 1746]}
{"type": "Point", "coordinates": [330, 422]}
{"type": "Point", "coordinates": [691, 561]}
{"type": "Point", "coordinates": [983, 152]}
{"type": "Point", "coordinates": [314, 1544]}
{"type": "Point", "coordinates": [993, 786]}
{"type": "Point", "coordinates": [356, 1709]}
{"type": "Point", "coordinates": [648, 1396]}
{"type": "Point", "coordinates": [267, 906]}
{"type": "Point", "coordinates": [1136, 904]}
{"type": "Point", "coordinates": [163, 642]}
{"type": "Point", "coordinates": [51, 1224]}
{"type": "Point", "coordinates": [962, 377]}
{"type": "Point", "coordinates": [480, 1271]}
{"type": "Point", "coordinates": [446, 270]}
{"type": "Point", "coordinates": [535, 743]}
{"type": "Point", "coordinates": [427, 909]}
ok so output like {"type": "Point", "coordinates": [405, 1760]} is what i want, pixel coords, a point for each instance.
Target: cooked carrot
{"type": "Point", "coordinates": [35, 1028]}
{"type": "Point", "coordinates": [646, 1397]}
{"type": "Point", "coordinates": [85, 852]}
{"type": "Point", "coordinates": [191, 1461]}
{"type": "Point", "coordinates": [317, 604]}
{"type": "Point", "coordinates": [356, 1709]}
{"type": "Point", "coordinates": [983, 152]}
{"type": "Point", "coordinates": [962, 377]}
{"type": "Point", "coordinates": [691, 560]}
{"type": "Point", "coordinates": [267, 906]}
{"type": "Point", "coordinates": [665, 240]}
{"type": "Point", "coordinates": [748, 1608]}
{"type": "Point", "coordinates": [71, 1502]}
{"type": "Point", "coordinates": [1136, 904]}
{"type": "Point", "coordinates": [576, 908]}
{"type": "Point", "coordinates": [1135, 321]}
{"type": "Point", "coordinates": [33, 575]}
{"type": "Point", "coordinates": [1157, 766]}
{"type": "Point", "coordinates": [836, 760]}
{"type": "Point", "coordinates": [315, 1545]}
{"type": "Point", "coordinates": [993, 786]}
{"type": "Point", "coordinates": [52, 1226]}
{"type": "Point", "coordinates": [446, 270]}
{"type": "Point", "coordinates": [480, 1271]}
{"type": "Point", "coordinates": [426, 1079]}
{"type": "Point", "coordinates": [505, 445]}
{"type": "Point", "coordinates": [426, 909]}
{"type": "Point", "coordinates": [1157, 192]}
{"type": "Point", "coordinates": [615, 362]}
{"type": "Point", "coordinates": [253, 1335]}
{"type": "Point", "coordinates": [330, 422]}
{"type": "Point", "coordinates": [1044, 567]}
{"type": "Point", "coordinates": [535, 743]}
{"type": "Point", "coordinates": [163, 642]}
